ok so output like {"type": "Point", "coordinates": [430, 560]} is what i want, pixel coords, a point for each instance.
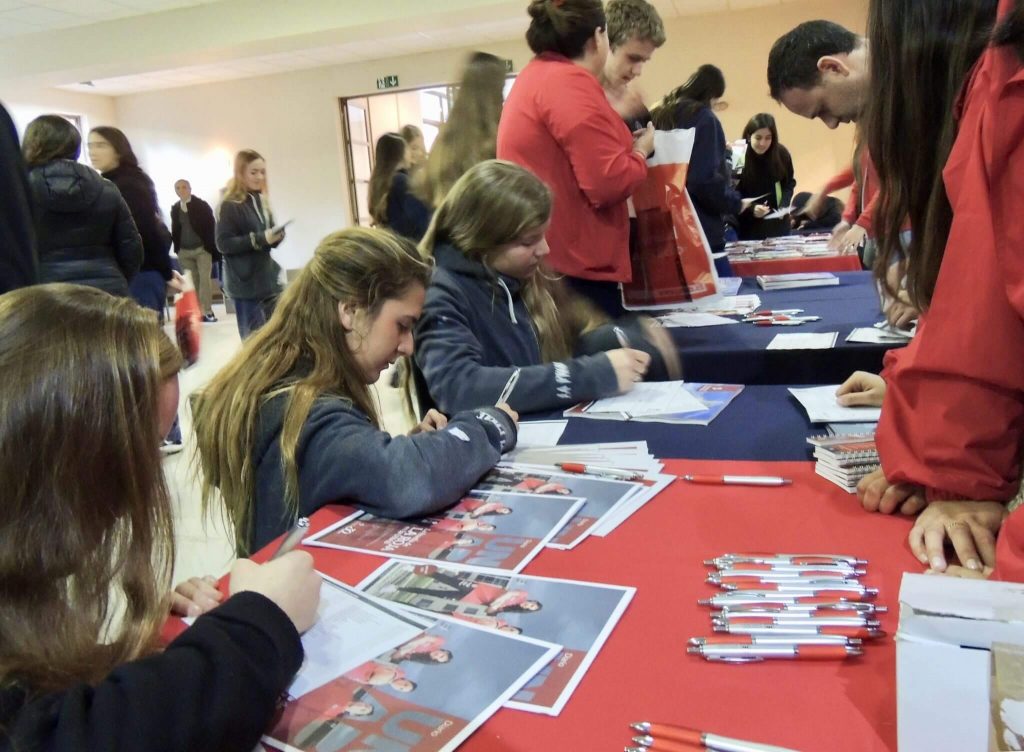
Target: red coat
{"type": "Point", "coordinates": [558, 123]}
{"type": "Point", "coordinates": [953, 419]}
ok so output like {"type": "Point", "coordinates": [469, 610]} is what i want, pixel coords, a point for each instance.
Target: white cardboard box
{"type": "Point", "coordinates": [943, 664]}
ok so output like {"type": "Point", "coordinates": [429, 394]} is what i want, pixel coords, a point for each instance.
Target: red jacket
{"type": "Point", "coordinates": [953, 419]}
{"type": "Point", "coordinates": [558, 123]}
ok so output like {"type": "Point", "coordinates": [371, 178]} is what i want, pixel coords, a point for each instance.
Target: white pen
{"type": "Point", "coordinates": [791, 558]}
{"type": "Point", "coordinates": [292, 539]}
{"type": "Point", "coordinates": [776, 639]}
{"type": "Point", "coordinates": [620, 335]}
{"type": "Point", "coordinates": [509, 386]}
{"type": "Point", "coordinates": [737, 480]}
{"type": "Point", "coordinates": [749, 653]}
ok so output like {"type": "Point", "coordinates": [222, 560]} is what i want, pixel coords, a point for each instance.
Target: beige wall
{"type": "Point", "coordinates": [27, 103]}
{"type": "Point", "coordinates": [293, 118]}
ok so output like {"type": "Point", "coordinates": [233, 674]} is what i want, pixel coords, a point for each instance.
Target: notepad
{"type": "Point", "coordinates": [694, 319]}
{"type": "Point", "coordinates": [809, 341]}
{"type": "Point", "coordinates": [821, 406]}
{"type": "Point", "coordinates": [540, 433]}
{"type": "Point", "coordinates": [649, 398]}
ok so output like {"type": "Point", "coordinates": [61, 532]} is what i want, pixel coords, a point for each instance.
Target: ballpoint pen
{"type": "Point", "coordinates": [749, 653]}
{"type": "Point", "coordinates": [620, 335]}
{"type": "Point", "coordinates": [737, 480]}
{"type": "Point", "coordinates": [775, 639]}
{"type": "Point", "coordinates": [793, 575]}
{"type": "Point", "coordinates": [699, 738]}
{"type": "Point", "coordinates": [292, 539]}
{"type": "Point", "coordinates": [509, 386]}
{"type": "Point", "coordinates": [783, 566]}
{"type": "Point", "coordinates": [608, 472]}
{"type": "Point", "coordinates": [865, 631]}
{"type": "Point", "coordinates": [809, 622]}
{"type": "Point", "coordinates": [832, 609]}
{"type": "Point", "coordinates": [809, 587]}
{"type": "Point", "coordinates": [759, 558]}
{"type": "Point", "coordinates": [839, 592]}
{"type": "Point", "coordinates": [748, 598]}
{"type": "Point", "coordinates": [779, 312]}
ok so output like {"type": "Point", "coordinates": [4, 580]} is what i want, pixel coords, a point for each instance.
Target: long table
{"type": "Point", "coordinates": [644, 673]}
{"type": "Point", "coordinates": [736, 354]}
{"type": "Point", "coordinates": [845, 262]}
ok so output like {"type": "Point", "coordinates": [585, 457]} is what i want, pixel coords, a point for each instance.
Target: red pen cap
{"type": "Point", "coordinates": [573, 467]}
{"type": "Point", "coordinates": [823, 652]}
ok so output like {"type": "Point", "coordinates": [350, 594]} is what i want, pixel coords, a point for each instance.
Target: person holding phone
{"type": "Point", "coordinates": [246, 233]}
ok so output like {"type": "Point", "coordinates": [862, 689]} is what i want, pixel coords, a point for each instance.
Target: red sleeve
{"type": "Point", "coordinates": [953, 419]}
{"type": "Point", "coordinates": [869, 190]}
{"type": "Point", "coordinates": [850, 211]}
{"type": "Point", "coordinates": [842, 180]}
{"type": "Point", "coordinates": [596, 141]}
{"type": "Point", "coordinates": [1010, 549]}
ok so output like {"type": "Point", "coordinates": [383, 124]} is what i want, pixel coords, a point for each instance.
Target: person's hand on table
{"type": "Point", "coordinates": [876, 494]}
{"type": "Point", "coordinates": [838, 233]}
{"type": "Point", "coordinates": [761, 211]}
{"type": "Point", "coordinates": [504, 407]}
{"type": "Point", "coordinates": [955, 570]}
{"type": "Point", "coordinates": [434, 420]}
{"type": "Point", "coordinates": [289, 581]}
{"type": "Point", "coordinates": [900, 312]}
{"type": "Point", "coordinates": [970, 527]}
{"type": "Point", "coordinates": [196, 596]}
{"type": "Point", "coordinates": [861, 389]}
{"type": "Point", "coordinates": [629, 366]}
{"type": "Point", "coordinates": [852, 239]}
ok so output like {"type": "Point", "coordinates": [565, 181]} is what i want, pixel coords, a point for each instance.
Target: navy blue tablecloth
{"type": "Point", "coordinates": [737, 355]}
{"type": "Point", "coordinates": [762, 423]}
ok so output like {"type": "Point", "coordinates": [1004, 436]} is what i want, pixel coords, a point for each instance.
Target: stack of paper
{"type": "Point", "coordinates": [881, 333]}
{"type": "Point", "coordinates": [811, 341]}
{"type": "Point", "coordinates": [820, 404]}
{"type": "Point", "coordinates": [540, 433]}
{"type": "Point", "coordinates": [787, 281]}
{"type": "Point", "coordinates": [694, 319]}
{"type": "Point", "coordinates": [628, 455]}
{"type": "Point", "coordinates": [727, 305]}
{"type": "Point", "coordinates": [844, 460]}
{"type": "Point", "coordinates": [663, 402]}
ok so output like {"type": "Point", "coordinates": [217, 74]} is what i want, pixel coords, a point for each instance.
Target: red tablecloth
{"type": "Point", "coordinates": [849, 262]}
{"type": "Point", "coordinates": [644, 672]}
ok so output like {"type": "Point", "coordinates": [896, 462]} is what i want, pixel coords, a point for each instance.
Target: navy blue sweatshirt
{"type": "Point", "coordinates": [475, 330]}
{"type": "Point", "coordinates": [343, 458]}
{"type": "Point", "coordinates": [407, 215]}
{"type": "Point", "coordinates": [214, 689]}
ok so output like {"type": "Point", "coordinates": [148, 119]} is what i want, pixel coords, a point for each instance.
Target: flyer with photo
{"type": "Point", "coordinates": [424, 693]}
{"type": "Point", "coordinates": [577, 615]}
{"type": "Point", "coordinates": [602, 495]}
{"type": "Point", "coordinates": [493, 532]}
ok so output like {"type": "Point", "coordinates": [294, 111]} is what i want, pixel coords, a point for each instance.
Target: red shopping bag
{"type": "Point", "coordinates": [670, 258]}
{"type": "Point", "coordinates": [187, 322]}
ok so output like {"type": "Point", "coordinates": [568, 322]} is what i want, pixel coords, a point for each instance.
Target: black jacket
{"type": "Point", "coordinates": [18, 266]}
{"type": "Point", "coordinates": [140, 195]}
{"type": "Point", "coordinates": [84, 230]}
{"type": "Point", "coordinates": [200, 216]}
{"type": "Point", "coordinates": [756, 180]}
{"type": "Point", "coordinates": [214, 689]}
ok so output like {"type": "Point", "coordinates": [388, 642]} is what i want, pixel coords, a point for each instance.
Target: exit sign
{"type": "Point", "coordinates": [508, 66]}
{"type": "Point", "coordinates": [387, 82]}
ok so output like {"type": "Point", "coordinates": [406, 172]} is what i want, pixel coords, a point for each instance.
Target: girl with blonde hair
{"type": "Point", "coordinates": [87, 549]}
{"type": "Point", "coordinates": [290, 425]}
{"type": "Point", "coordinates": [245, 237]}
{"type": "Point", "coordinates": [491, 309]}
{"type": "Point", "coordinates": [470, 135]}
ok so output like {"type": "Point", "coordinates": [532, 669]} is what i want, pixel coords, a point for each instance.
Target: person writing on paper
{"type": "Point", "coordinates": [491, 308]}
{"type": "Point", "coordinates": [246, 233]}
{"type": "Point", "coordinates": [953, 421]}
{"type": "Point", "coordinates": [289, 424]}
{"type": "Point", "coordinates": [87, 550]}
{"type": "Point", "coordinates": [767, 177]}
{"type": "Point", "coordinates": [557, 123]}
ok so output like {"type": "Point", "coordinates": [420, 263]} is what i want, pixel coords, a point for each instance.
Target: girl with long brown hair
{"type": "Point", "coordinates": [290, 424]}
{"type": "Point", "coordinates": [470, 134]}
{"type": "Point", "coordinates": [245, 236]}
{"type": "Point", "coordinates": [767, 169]}
{"type": "Point", "coordinates": [392, 203]}
{"type": "Point", "coordinates": [952, 427]}
{"type": "Point", "coordinates": [86, 549]}
{"type": "Point", "coordinates": [491, 308]}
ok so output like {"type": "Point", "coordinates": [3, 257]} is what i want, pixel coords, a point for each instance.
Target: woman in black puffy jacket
{"type": "Point", "coordinates": [84, 229]}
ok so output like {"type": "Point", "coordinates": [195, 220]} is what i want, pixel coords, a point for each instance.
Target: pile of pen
{"type": "Point", "coordinates": [788, 606]}
{"type": "Point", "coordinates": [661, 737]}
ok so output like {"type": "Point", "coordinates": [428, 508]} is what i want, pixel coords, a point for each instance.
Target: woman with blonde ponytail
{"type": "Point", "coordinates": [491, 308]}
{"type": "Point", "coordinates": [290, 425]}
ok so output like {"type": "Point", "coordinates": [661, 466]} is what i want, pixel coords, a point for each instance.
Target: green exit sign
{"type": "Point", "coordinates": [387, 82]}
{"type": "Point", "coordinates": [508, 66]}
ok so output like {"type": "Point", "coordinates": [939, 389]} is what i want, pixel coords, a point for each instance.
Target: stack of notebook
{"type": "Point", "coordinates": [844, 460]}
{"type": "Point", "coordinates": [787, 281]}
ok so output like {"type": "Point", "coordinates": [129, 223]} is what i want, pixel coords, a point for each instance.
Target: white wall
{"type": "Point", "coordinates": [25, 104]}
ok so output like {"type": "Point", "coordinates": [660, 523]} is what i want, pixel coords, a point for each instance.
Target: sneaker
{"type": "Point", "coordinates": [209, 318]}
{"type": "Point", "coordinates": [170, 447]}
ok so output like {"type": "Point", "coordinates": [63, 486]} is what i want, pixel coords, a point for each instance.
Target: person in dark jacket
{"type": "Point", "coordinates": [18, 264]}
{"type": "Point", "coordinates": [767, 178]}
{"type": "Point", "coordinates": [245, 236]}
{"type": "Point", "coordinates": [84, 229]}
{"type": "Point", "coordinates": [392, 203]}
{"type": "Point", "coordinates": [692, 106]}
{"type": "Point", "coordinates": [193, 233]}
{"type": "Point", "coordinates": [86, 397]}
{"type": "Point", "coordinates": [490, 309]}
{"type": "Point", "coordinates": [111, 153]}
{"type": "Point", "coordinates": [289, 425]}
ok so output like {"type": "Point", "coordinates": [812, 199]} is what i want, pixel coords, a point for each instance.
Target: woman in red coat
{"type": "Point", "coordinates": [953, 417]}
{"type": "Point", "coordinates": [557, 123]}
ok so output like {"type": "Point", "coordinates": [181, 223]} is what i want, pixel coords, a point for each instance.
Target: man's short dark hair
{"type": "Point", "coordinates": [793, 61]}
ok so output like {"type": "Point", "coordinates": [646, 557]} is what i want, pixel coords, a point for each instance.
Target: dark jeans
{"type": "Point", "coordinates": [605, 295]}
{"type": "Point", "coordinates": [251, 314]}
{"type": "Point", "coordinates": [150, 291]}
